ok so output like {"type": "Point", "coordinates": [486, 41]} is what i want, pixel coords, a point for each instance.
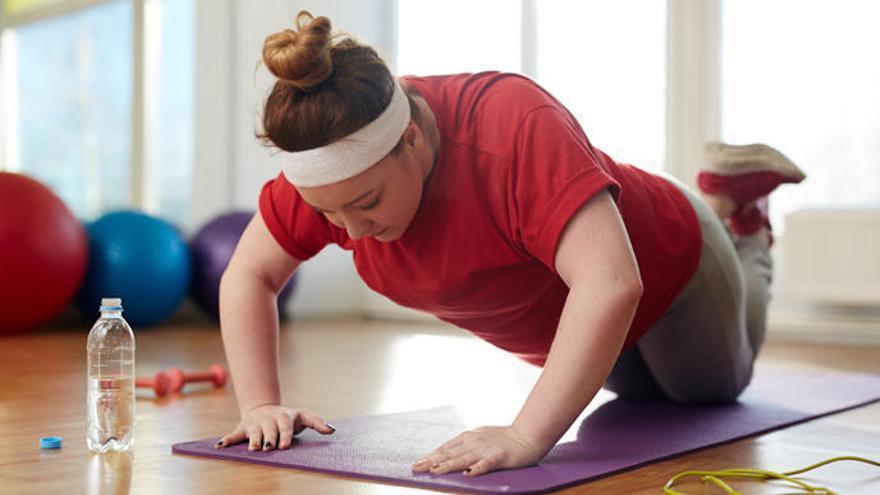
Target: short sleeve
{"type": "Point", "coordinates": [556, 172]}
{"type": "Point", "coordinates": [297, 227]}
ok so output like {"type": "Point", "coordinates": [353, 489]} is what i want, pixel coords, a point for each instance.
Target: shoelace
{"type": "Point", "coordinates": [715, 477]}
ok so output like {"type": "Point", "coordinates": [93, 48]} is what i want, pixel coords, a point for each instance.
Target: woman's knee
{"type": "Point", "coordinates": [721, 390]}
{"type": "Point", "coordinates": [631, 379]}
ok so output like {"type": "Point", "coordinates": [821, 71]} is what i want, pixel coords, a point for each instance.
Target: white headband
{"type": "Point", "coordinates": [351, 155]}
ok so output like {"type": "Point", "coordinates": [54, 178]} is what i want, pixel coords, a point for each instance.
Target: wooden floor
{"type": "Point", "coordinates": [348, 368]}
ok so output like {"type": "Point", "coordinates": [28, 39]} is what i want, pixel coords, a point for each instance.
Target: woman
{"type": "Point", "coordinates": [478, 198]}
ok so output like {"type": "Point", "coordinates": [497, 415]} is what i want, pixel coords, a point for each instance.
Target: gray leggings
{"type": "Point", "coordinates": [703, 348]}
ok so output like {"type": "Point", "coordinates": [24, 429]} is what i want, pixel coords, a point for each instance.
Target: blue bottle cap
{"type": "Point", "coordinates": [50, 442]}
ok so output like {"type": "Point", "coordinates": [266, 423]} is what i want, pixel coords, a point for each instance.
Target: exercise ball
{"type": "Point", "coordinates": [140, 258]}
{"type": "Point", "coordinates": [212, 248]}
{"type": "Point", "coordinates": [43, 254]}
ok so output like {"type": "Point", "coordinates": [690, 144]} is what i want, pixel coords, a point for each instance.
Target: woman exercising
{"type": "Point", "coordinates": [479, 199]}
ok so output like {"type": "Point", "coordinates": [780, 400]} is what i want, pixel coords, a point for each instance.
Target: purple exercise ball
{"type": "Point", "coordinates": [212, 248]}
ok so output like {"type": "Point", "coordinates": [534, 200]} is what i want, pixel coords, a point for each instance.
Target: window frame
{"type": "Point", "coordinates": [693, 61]}
{"type": "Point", "coordinates": [140, 197]}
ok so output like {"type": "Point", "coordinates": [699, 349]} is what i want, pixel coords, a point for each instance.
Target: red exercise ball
{"type": "Point", "coordinates": [43, 254]}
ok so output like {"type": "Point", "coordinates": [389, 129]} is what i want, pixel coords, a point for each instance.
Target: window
{"type": "Point", "coordinates": [606, 65]}
{"type": "Point", "coordinates": [813, 93]}
{"type": "Point", "coordinates": [70, 78]}
{"type": "Point", "coordinates": [458, 36]}
{"type": "Point", "coordinates": [606, 62]}
{"type": "Point", "coordinates": [170, 87]}
{"type": "Point", "coordinates": [69, 97]}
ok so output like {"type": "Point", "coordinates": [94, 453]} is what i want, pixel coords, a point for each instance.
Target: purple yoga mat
{"type": "Point", "coordinates": [618, 435]}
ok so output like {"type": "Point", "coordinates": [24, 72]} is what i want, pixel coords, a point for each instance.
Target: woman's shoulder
{"type": "Point", "coordinates": [484, 110]}
{"type": "Point", "coordinates": [491, 88]}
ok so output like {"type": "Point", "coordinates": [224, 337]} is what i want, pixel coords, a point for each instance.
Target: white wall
{"type": "Point", "coordinates": [231, 166]}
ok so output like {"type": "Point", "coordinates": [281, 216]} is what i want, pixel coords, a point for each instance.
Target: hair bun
{"type": "Point", "coordinates": [301, 57]}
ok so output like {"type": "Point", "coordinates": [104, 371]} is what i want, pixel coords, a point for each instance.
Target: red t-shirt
{"type": "Point", "coordinates": [513, 168]}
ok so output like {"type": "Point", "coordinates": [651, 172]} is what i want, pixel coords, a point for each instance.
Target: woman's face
{"type": "Point", "coordinates": [381, 201]}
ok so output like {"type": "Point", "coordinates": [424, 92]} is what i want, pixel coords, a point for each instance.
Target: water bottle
{"type": "Point", "coordinates": [110, 400]}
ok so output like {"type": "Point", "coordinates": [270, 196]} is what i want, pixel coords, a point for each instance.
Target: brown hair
{"type": "Point", "coordinates": [329, 86]}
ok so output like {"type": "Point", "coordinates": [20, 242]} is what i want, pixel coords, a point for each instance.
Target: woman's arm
{"type": "Point", "coordinates": [596, 261]}
{"type": "Point", "coordinates": [249, 315]}
{"type": "Point", "coordinates": [249, 322]}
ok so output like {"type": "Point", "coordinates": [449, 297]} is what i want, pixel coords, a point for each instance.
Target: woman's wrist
{"type": "Point", "coordinates": [535, 441]}
{"type": "Point", "coordinates": [251, 404]}
{"type": "Point", "coordinates": [262, 404]}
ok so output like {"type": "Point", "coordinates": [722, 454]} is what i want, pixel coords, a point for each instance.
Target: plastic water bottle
{"type": "Point", "coordinates": [110, 400]}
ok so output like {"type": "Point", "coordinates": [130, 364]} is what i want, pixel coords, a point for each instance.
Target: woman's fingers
{"type": "Point", "coordinates": [449, 450]}
{"type": "Point", "coordinates": [255, 437]}
{"type": "Point", "coordinates": [311, 420]}
{"type": "Point", "coordinates": [270, 435]}
{"type": "Point", "coordinates": [233, 438]}
{"type": "Point", "coordinates": [482, 466]}
{"type": "Point", "coordinates": [456, 463]}
{"type": "Point", "coordinates": [274, 429]}
{"type": "Point", "coordinates": [285, 432]}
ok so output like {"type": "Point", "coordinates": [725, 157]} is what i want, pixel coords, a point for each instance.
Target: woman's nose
{"type": "Point", "coordinates": [358, 228]}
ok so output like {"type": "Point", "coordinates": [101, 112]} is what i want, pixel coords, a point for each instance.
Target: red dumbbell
{"type": "Point", "coordinates": [161, 383]}
{"type": "Point", "coordinates": [215, 374]}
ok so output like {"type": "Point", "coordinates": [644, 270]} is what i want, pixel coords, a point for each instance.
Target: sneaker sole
{"type": "Point", "coordinates": [729, 159]}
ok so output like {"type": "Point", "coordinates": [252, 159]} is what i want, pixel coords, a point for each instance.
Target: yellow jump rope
{"type": "Point", "coordinates": [715, 477]}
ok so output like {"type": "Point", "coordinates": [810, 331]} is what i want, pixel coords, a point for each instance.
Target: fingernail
{"type": "Point", "coordinates": [219, 443]}
{"type": "Point", "coordinates": [271, 446]}
{"type": "Point", "coordinates": [467, 470]}
{"type": "Point", "coordinates": [330, 426]}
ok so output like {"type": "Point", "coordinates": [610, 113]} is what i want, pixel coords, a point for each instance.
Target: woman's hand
{"type": "Point", "coordinates": [480, 451]}
{"type": "Point", "coordinates": [269, 427]}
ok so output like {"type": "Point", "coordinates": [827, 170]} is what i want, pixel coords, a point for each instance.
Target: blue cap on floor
{"type": "Point", "coordinates": [50, 442]}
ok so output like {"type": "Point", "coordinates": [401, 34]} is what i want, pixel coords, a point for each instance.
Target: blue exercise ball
{"type": "Point", "coordinates": [212, 248]}
{"type": "Point", "coordinates": [140, 258]}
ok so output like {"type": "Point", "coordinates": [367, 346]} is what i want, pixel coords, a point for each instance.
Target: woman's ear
{"type": "Point", "coordinates": [412, 135]}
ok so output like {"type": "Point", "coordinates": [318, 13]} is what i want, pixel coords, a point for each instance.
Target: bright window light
{"type": "Point", "coordinates": [71, 86]}
{"type": "Point", "coordinates": [803, 77]}
{"type": "Point", "coordinates": [458, 36]}
{"type": "Point", "coordinates": [606, 62]}
{"type": "Point", "coordinates": [66, 102]}
{"type": "Point", "coordinates": [170, 92]}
